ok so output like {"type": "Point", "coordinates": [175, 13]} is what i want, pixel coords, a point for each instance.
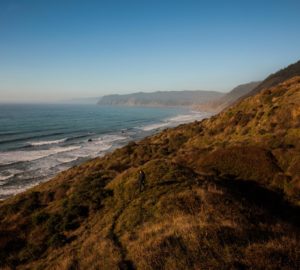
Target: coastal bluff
{"type": "Point", "coordinates": [221, 193]}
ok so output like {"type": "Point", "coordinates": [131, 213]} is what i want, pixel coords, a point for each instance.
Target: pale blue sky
{"type": "Point", "coordinates": [51, 50]}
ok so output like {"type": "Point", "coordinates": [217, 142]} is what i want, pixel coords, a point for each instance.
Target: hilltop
{"type": "Point", "coordinates": [223, 193]}
{"type": "Point", "coordinates": [161, 98]}
{"type": "Point", "coordinates": [229, 98]}
{"type": "Point", "coordinates": [249, 89]}
{"type": "Point", "coordinates": [277, 77]}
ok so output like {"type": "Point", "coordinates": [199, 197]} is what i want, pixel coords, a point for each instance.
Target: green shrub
{"type": "Point", "coordinates": [176, 141]}
{"type": "Point", "coordinates": [40, 218]}
{"type": "Point", "coordinates": [57, 240]}
{"type": "Point", "coordinates": [70, 224]}
{"type": "Point", "coordinates": [54, 224]}
{"type": "Point", "coordinates": [32, 252]}
{"type": "Point", "coordinates": [72, 216]}
{"type": "Point", "coordinates": [32, 202]}
{"type": "Point", "coordinates": [78, 211]}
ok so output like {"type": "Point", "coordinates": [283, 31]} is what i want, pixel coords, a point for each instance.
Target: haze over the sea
{"type": "Point", "coordinates": [60, 50]}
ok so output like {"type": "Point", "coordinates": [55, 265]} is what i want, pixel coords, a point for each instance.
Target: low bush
{"type": "Point", "coordinates": [32, 202]}
{"type": "Point", "coordinates": [57, 240]}
{"type": "Point", "coordinates": [54, 224]}
{"type": "Point", "coordinates": [40, 218]}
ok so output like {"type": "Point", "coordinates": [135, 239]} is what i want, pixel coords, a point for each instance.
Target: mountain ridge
{"type": "Point", "coordinates": [160, 98]}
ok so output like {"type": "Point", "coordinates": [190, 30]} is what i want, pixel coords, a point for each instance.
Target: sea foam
{"type": "Point", "coordinates": [40, 143]}
{"type": "Point", "coordinates": [179, 119]}
{"type": "Point", "coordinates": [21, 156]}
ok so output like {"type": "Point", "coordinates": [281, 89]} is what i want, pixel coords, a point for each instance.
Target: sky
{"type": "Point", "coordinates": [63, 49]}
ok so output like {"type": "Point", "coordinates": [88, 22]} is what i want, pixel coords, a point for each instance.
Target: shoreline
{"type": "Point", "coordinates": [117, 140]}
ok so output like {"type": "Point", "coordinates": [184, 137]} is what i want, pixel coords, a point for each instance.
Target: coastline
{"type": "Point", "coordinates": [104, 144]}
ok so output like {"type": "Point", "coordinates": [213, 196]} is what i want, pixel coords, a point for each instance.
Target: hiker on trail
{"type": "Point", "coordinates": [142, 180]}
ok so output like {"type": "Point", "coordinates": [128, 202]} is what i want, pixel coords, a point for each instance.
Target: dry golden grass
{"type": "Point", "coordinates": [220, 194]}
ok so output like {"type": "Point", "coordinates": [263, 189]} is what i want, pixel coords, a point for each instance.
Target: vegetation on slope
{"type": "Point", "coordinates": [223, 193]}
{"type": "Point", "coordinates": [278, 77]}
{"type": "Point", "coordinates": [228, 99]}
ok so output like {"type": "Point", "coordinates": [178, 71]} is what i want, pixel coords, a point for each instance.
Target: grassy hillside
{"type": "Point", "coordinates": [278, 77]}
{"type": "Point", "coordinates": [228, 99]}
{"type": "Point", "coordinates": [249, 89]}
{"type": "Point", "coordinates": [223, 193]}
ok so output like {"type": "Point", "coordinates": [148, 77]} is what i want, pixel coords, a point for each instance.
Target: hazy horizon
{"type": "Point", "coordinates": [54, 51]}
{"type": "Point", "coordinates": [89, 100]}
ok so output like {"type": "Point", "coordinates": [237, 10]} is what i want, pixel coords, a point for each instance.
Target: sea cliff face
{"type": "Point", "coordinates": [220, 193]}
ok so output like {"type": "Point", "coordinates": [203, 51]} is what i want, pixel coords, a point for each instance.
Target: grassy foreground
{"type": "Point", "coordinates": [223, 193]}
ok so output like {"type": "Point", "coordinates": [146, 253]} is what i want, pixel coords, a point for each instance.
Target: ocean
{"type": "Point", "coordinates": [39, 141]}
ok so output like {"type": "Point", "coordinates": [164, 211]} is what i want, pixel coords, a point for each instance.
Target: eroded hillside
{"type": "Point", "coordinates": [222, 193]}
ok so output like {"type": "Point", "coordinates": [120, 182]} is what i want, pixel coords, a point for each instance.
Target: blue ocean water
{"type": "Point", "coordinates": [38, 141]}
